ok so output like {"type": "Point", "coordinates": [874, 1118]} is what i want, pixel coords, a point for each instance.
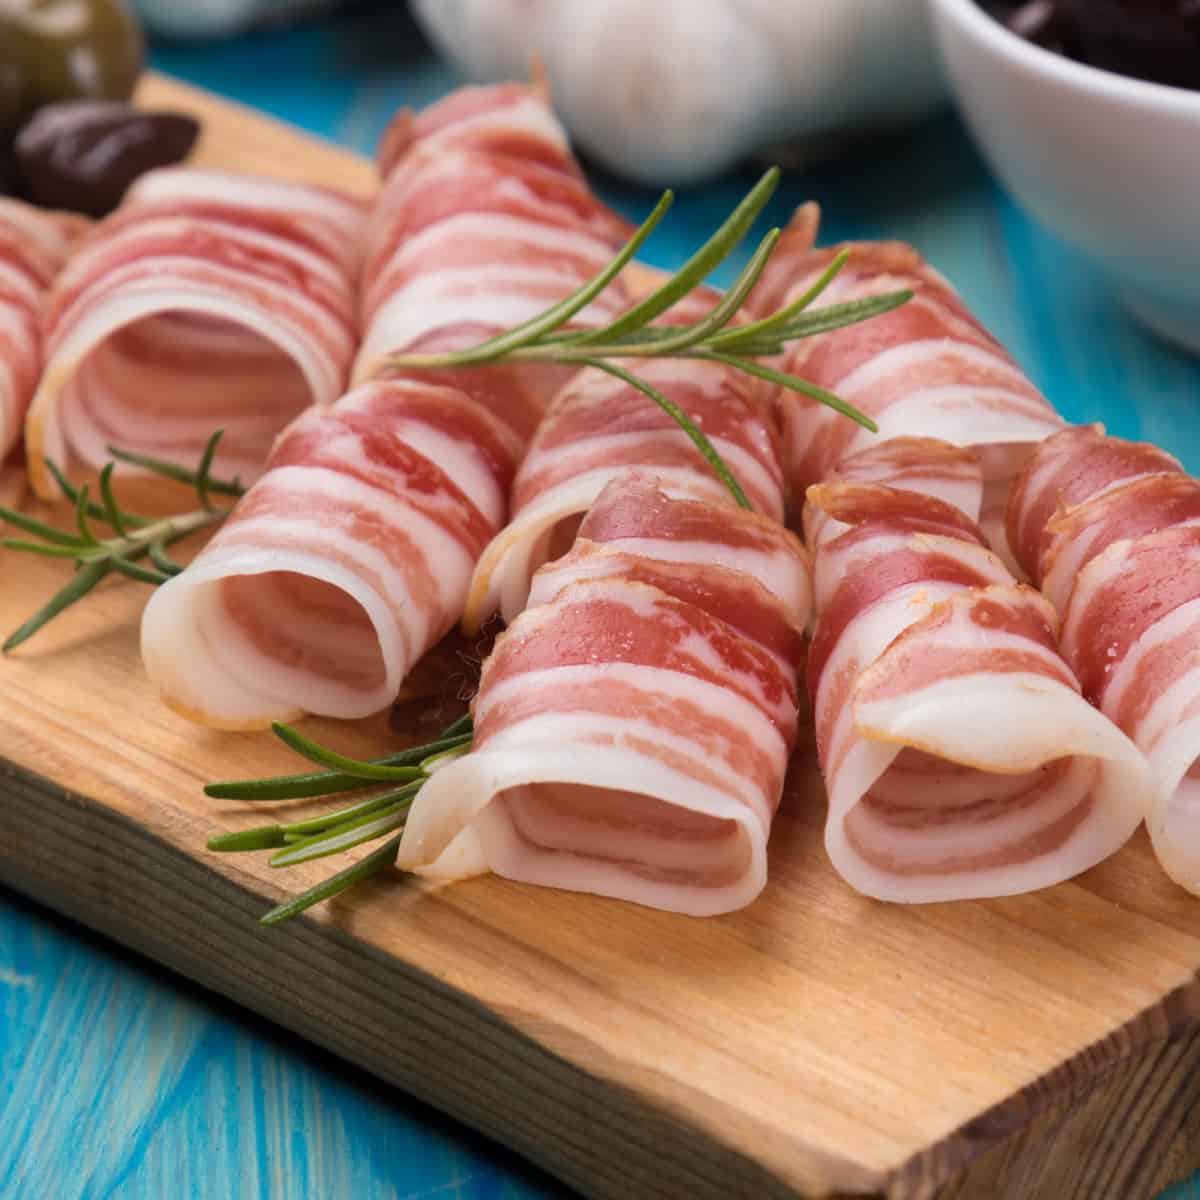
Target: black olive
{"type": "Point", "coordinates": [1156, 40]}
{"type": "Point", "coordinates": [82, 155]}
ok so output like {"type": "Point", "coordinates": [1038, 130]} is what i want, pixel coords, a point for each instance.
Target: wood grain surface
{"type": "Point", "coordinates": [816, 1044]}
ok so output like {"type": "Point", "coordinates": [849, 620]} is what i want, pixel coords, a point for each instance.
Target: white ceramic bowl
{"type": "Point", "coordinates": [1110, 164]}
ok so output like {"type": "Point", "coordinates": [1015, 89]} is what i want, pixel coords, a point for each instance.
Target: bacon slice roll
{"type": "Point", "coordinates": [633, 725]}
{"type": "Point", "coordinates": [597, 428]}
{"type": "Point", "coordinates": [959, 756]}
{"type": "Point", "coordinates": [208, 300]}
{"type": "Point", "coordinates": [1111, 530]}
{"type": "Point", "coordinates": [927, 369]}
{"type": "Point", "coordinates": [344, 563]}
{"type": "Point", "coordinates": [352, 555]}
{"type": "Point", "coordinates": [484, 221]}
{"type": "Point", "coordinates": [33, 247]}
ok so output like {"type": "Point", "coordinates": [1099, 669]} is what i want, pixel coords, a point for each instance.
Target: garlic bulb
{"type": "Point", "coordinates": [673, 91]}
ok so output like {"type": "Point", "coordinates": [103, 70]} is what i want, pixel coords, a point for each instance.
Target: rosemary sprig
{"type": "Point", "coordinates": [328, 783]}
{"type": "Point", "coordinates": [134, 536]}
{"type": "Point", "coordinates": [677, 414]}
{"type": "Point", "coordinates": [367, 819]}
{"type": "Point", "coordinates": [630, 336]}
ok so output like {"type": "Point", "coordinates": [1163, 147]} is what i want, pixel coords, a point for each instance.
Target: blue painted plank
{"type": "Point", "coordinates": [124, 1082]}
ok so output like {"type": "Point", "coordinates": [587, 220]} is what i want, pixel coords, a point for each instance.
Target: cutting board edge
{"type": "Point", "coordinates": [975, 1159]}
{"type": "Point", "coordinates": [124, 850]}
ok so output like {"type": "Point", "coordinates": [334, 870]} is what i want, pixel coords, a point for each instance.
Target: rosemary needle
{"type": "Point", "coordinates": [685, 423]}
{"type": "Point", "coordinates": [134, 536]}
{"type": "Point", "coordinates": [326, 783]}
{"type": "Point", "coordinates": [376, 861]}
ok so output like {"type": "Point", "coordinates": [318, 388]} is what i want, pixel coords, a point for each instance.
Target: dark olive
{"type": "Point", "coordinates": [65, 49]}
{"type": "Point", "coordinates": [1156, 40]}
{"type": "Point", "coordinates": [82, 155]}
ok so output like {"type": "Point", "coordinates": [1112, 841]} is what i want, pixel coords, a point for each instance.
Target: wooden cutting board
{"type": "Point", "coordinates": [816, 1044]}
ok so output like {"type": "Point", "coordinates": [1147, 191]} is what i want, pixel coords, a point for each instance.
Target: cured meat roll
{"type": "Point", "coordinates": [633, 725]}
{"type": "Point", "coordinates": [928, 368]}
{"type": "Point", "coordinates": [351, 557]}
{"type": "Point", "coordinates": [33, 246]}
{"type": "Point", "coordinates": [484, 221]}
{"type": "Point", "coordinates": [959, 757]}
{"type": "Point", "coordinates": [208, 300]}
{"type": "Point", "coordinates": [343, 564]}
{"type": "Point", "coordinates": [598, 427]}
{"type": "Point", "coordinates": [1111, 530]}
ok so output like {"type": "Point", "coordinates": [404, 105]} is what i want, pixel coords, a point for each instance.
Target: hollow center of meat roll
{"type": "Point", "coordinates": [926, 815]}
{"type": "Point", "coordinates": [554, 543]}
{"type": "Point", "coordinates": [164, 384]}
{"type": "Point", "coordinates": [303, 635]}
{"type": "Point", "coordinates": [644, 835]}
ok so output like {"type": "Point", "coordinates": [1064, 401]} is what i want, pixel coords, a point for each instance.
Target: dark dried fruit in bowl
{"type": "Point", "coordinates": [1156, 40]}
{"type": "Point", "coordinates": [83, 155]}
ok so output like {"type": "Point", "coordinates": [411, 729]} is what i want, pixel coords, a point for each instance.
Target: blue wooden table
{"type": "Point", "coordinates": [120, 1080]}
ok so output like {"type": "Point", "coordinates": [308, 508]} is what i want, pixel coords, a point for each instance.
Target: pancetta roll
{"type": "Point", "coordinates": [634, 724]}
{"type": "Point", "coordinates": [959, 757]}
{"type": "Point", "coordinates": [209, 300]}
{"type": "Point", "coordinates": [927, 369]}
{"type": "Point", "coordinates": [1111, 530]}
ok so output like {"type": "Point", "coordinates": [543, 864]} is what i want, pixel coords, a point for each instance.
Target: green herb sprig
{"type": "Point", "coordinates": [545, 338]}
{"type": "Point", "coordinates": [134, 536]}
{"type": "Point", "coordinates": [377, 815]}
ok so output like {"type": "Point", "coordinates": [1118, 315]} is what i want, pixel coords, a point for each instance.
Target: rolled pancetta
{"type": "Point", "coordinates": [597, 428]}
{"type": "Point", "coordinates": [208, 300]}
{"type": "Point", "coordinates": [927, 369]}
{"type": "Point", "coordinates": [634, 724]}
{"type": "Point", "coordinates": [1111, 530]}
{"type": "Point", "coordinates": [959, 757]}
{"type": "Point", "coordinates": [33, 247]}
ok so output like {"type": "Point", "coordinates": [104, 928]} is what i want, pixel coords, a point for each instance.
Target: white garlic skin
{"type": "Point", "coordinates": [676, 91]}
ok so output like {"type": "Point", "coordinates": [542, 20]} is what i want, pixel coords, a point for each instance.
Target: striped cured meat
{"type": "Point", "coordinates": [959, 757]}
{"type": "Point", "coordinates": [926, 369]}
{"type": "Point", "coordinates": [923, 465]}
{"type": "Point", "coordinates": [481, 225]}
{"type": "Point", "coordinates": [1111, 529]}
{"type": "Point", "coordinates": [633, 725]}
{"type": "Point", "coordinates": [352, 555]}
{"type": "Point", "coordinates": [600, 426]}
{"type": "Point", "coordinates": [208, 300]}
{"type": "Point", "coordinates": [344, 563]}
{"type": "Point", "coordinates": [33, 247]}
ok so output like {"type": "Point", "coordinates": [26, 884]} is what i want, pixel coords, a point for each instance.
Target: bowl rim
{"type": "Point", "coordinates": [970, 16]}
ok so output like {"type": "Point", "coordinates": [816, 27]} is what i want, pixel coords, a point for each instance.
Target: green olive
{"type": "Point", "coordinates": [63, 50]}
